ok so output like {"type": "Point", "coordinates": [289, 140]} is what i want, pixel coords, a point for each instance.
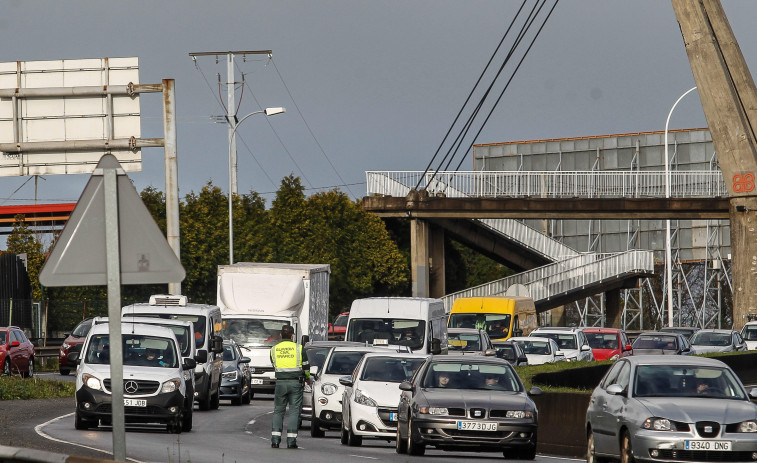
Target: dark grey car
{"type": "Point", "coordinates": [510, 351]}
{"type": "Point", "coordinates": [235, 380]}
{"type": "Point", "coordinates": [660, 408]}
{"type": "Point", "coordinates": [661, 343]}
{"type": "Point", "coordinates": [468, 404]}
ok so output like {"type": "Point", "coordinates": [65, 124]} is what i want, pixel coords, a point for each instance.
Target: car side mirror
{"type": "Point", "coordinates": [244, 360]}
{"type": "Point", "coordinates": [615, 389]}
{"type": "Point", "coordinates": [73, 357]}
{"type": "Point", "coordinates": [65, 335]}
{"type": "Point", "coordinates": [628, 347]}
{"type": "Point", "coordinates": [535, 391]}
{"type": "Point", "coordinates": [436, 346]}
{"type": "Point", "coordinates": [560, 353]}
{"type": "Point", "coordinates": [490, 352]}
{"type": "Point", "coordinates": [753, 393]}
{"type": "Point", "coordinates": [201, 356]}
{"type": "Point", "coordinates": [406, 386]}
{"type": "Point", "coordinates": [189, 364]}
{"type": "Point", "coordinates": [585, 348]}
{"type": "Point", "coordinates": [523, 359]}
{"type": "Point", "coordinates": [517, 333]}
{"type": "Point", "coordinates": [346, 381]}
{"type": "Point", "coordinates": [305, 339]}
{"type": "Point", "coordinates": [217, 345]}
{"type": "Point", "coordinates": [314, 370]}
{"type": "Point", "coordinates": [15, 343]}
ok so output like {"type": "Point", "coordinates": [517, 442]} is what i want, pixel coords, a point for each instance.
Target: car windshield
{"type": "Point", "coordinates": [564, 341]}
{"type": "Point", "coordinates": [750, 333]}
{"type": "Point", "coordinates": [536, 347]}
{"type": "Point", "coordinates": [388, 369]}
{"type": "Point", "coordinates": [497, 325]}
{"type": "Point", "coordinates": [198, 320]}
{"type": "Point", "coordinates": [399, 331]}
{"type": "Point", "coordinates": [463, 375]}
{"type": "Point", "coordinates": [229, 353]}
{"type": "Point", "coordinates": [343, 363]}
{"type": "Point", "coordinates": [464, 342]}
{"type": "Point", "coordinates": [317, 355]}
{"type": "Point", "coordinates": [711, 339]}
{"type": "Point", "coordinates": [687, 381]}
{"type": "Point", "coordinates": [82, 329]}
{"type": "Point", "coordinates": [656, 342]}
{"type": "Point", "coordinates": [138, 350]}
{"type": "Point", "coordinates": [602, 340]}
{"type": "Point", "coordinates": [246, 332]}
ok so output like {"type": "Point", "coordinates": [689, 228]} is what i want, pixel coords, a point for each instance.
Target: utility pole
{"type": "Point", "coordinates": [231, 110]}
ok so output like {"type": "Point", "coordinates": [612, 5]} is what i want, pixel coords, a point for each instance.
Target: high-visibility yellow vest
{"type": "Point", "coordinates": [286, 356]}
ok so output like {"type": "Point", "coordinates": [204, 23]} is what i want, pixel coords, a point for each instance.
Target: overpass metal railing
{"type": "Point", "coordinates": [551, 184]}
{"type": "Point", "coordinates": [532, 239]}
{"type": "Point", "coordinates": [566, 276]}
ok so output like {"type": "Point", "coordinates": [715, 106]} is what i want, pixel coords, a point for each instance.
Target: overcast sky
{"type": "Point", "coordinates": [368, 85]}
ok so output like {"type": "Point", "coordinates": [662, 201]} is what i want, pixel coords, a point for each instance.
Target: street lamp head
{"type": "Point", "coordinates": [274, 111]}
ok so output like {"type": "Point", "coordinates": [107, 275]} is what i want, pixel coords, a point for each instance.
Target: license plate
{"type": "Point", "coordinates": [716, 445]}
{"type": "Point", "coordinates": [476, 426]}
{"type": "Point", "coordinates": [392, 417]}
{"type": "Point", "coordinates": [135, 403]}
{"type": "Point", "coordinates": [256, 381]}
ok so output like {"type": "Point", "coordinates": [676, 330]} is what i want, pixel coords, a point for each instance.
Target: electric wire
{"type": "Point", "coordinates": [16, 190]}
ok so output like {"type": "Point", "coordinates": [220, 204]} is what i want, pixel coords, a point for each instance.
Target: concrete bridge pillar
{"type": "Point", "coordinates": [613, 311]}
{"type": "Point", "coordinates": [427, 259]}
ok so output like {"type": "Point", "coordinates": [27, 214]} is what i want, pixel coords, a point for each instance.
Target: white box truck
{"type": "Point", "coordinates": [257, 299]}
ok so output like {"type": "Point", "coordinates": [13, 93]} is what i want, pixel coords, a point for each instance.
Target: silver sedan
{"type": "Point", "coordinates": [662, 408]}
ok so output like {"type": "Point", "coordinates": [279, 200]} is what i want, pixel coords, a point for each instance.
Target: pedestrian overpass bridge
{"type": "Point", "coordinates": [480, 209]}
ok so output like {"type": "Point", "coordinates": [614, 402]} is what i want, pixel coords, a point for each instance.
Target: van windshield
{"type": "Point", "coordinates": [399, 331]}
{"type": "Point", "coordinates": [497, 325]}
{"type": "Point", "coordinates": [198, 320]}
{"type": "Point", "coordinates": [138, 350]}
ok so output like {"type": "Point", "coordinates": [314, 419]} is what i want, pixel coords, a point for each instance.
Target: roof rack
{"type": "Point", "coordinates": [751, 317]}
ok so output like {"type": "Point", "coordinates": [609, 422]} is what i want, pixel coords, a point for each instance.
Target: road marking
{"type": "Point", "coordinates": [42, 433]}
{"type": "Point", "coordinates": [362, 456]}
{"type": "Point", "coordinates": [562, 458]}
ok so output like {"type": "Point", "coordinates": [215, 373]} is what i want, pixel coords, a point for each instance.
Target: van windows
{"type": "Point", "coordinates": [396, 330]}
{"type": "Point", "coordinates": [138, 350]}
{"type": "Point", "coordinates": [198, 320]}
{"type": "Point", "coordinates": [496, 325]}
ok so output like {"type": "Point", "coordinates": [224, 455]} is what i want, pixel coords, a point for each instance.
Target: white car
{"type": "Point", "coordinates": [371, 395]}
{"type": "Point", "coordinates": [715, 340]}
{"type": "Point", "coordinates": [539, 350]}
{"type": "Point", "coordinates": [749, 333]}
{"type": "Point", "coordinates": [571, 341]}
{"type": "Point", "coordinates": [327, 391]}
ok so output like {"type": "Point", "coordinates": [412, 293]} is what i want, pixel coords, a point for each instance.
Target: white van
{"type": "Point", "coordinates": [153, 373]}
{"type": "Point", "coordinates": [416, 322]}
{"type": "Point", "coordinates": [207, 335]}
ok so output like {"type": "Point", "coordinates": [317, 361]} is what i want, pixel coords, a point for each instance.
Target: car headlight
{"type": "Point", "coordinates": [91, 382]}
{"type": "Point", "coordinates": [328, 388]}
{"type": "Point", "coordinates": [65, 346]}
{"type": "Point", "coordinates": [518, 414]}
{"type": "Point", "coordinates": [363, 399]}
{"type": "Point", "coordinates": [748, 426]}
{"type": "Point", "coordinates": [230, 375]}
{"type": "Point", "coordinates": [170, 386]}
{"type": "Point", "coordinates": [434, 410]}
{"type": "Point", "coordinates": [657, 424]}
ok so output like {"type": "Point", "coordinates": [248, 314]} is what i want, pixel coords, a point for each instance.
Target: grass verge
{"type": "Point", "coordinates": [17, 388]}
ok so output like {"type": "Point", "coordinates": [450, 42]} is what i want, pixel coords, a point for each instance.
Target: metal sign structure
{"type": "Point", "coordinates": [61, 116]}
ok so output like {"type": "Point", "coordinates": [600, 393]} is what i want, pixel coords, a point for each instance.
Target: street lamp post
{"type": "Point", "coordinates": [232, 169]}
{"type": "Point", "coordinates": [668, 263]}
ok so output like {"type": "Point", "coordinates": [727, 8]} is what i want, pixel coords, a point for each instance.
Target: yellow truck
{"type": "Point", "coordinates": [501, 316]}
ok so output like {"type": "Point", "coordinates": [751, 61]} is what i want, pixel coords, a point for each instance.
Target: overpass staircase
{"type": "Point", "coordinates": [558, 274]}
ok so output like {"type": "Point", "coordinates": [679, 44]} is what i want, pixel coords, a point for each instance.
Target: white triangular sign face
{"type": "Point", "coordinates": [79, 257]}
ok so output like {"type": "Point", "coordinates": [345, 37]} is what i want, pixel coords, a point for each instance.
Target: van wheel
{"type": "Point", "coordinates": [215, 402]}
{"type": "Point", "coordinates": [81, 423]}
{"type": "Point", "coordinates": [174, 426]}
{"type": "Point", "coordinates": [205, 403]}
{"type": "Point", "coordinates": [315, 430]}
{"type": "Point", "coordinates": [106, 422]}
{"type": "Point", "coordinates": [186, 420]}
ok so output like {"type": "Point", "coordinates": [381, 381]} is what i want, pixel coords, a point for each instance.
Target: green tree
{"type": "Point", "coordinates": [22, 240]}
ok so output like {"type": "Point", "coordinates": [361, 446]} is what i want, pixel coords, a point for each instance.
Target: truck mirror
{"type": "Point", "coordinates": [305, 339]}
{"type": "Point", "coordinates": [201, 356]}
{"type": "Point", "coordinates": [436, 346]}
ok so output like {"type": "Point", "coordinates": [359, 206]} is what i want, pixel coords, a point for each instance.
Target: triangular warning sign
{"type": "Point", "coordinates": [79, 255]}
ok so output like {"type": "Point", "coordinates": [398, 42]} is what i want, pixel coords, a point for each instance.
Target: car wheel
{"type": "Point", "coordinates": [30, 370]}
{"type": "Point", "coordinates": [64, 372]}
{"type": "Point", "coordinates": [344, 437]}
{"type": "Point", "coordinates": [205, 403]}
{"type": "Point", "coordinates": [247, 398]}
{"type": "Point", "coordinates": [7, 367]}
{"type": "Point", "coordinates": [80, 423]}
{"type": "Point", "coordinates": [353, 440]}
{"type": "Point", "coordinates": [591, 456]}
{"type": "Point", "coordinates": [186, 419]}
{"type": "Point", "coordinates": [400, 445]}
{"type": "Point", "coordinates": [236, 401]}
{"type": "Point", "coordinates": [315, 430]}
{"type": "Point", "coordinates": [215, 401]}
{"type": "Point", "coordinates": [626, 452]}
{"type": "Point", "coordinates": [412, 447]}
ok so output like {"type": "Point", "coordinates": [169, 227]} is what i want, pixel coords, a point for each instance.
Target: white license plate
{"type": "Point", "coordinates": [256, 381]}
{"type": "Point", "coordinates": [476, 426]}
{"type": "Point", "coordinates": [392, 417]}
{"type": "Point", "coordinates": [716, 445]}
{"type": "Point", "coordinates": [135, 403]}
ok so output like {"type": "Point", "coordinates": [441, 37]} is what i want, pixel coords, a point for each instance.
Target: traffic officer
{"type": "Point", "coordinates": [292, 370]}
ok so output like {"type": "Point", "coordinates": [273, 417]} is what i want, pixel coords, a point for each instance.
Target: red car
{"type": "Point", "coordinates": [72, 343]}
{"type": "Point", "coordinates": [339, 327]}
{"type": "Point", "coordinates": [608, 343]}
{"type": "Point", "coordinates": [16, 352]}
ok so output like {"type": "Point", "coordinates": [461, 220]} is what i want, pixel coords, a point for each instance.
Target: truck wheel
{"type": "Point", "coordinates": [315, 430]}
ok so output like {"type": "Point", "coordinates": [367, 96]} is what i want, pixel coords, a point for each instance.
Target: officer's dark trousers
{"type": "Point", "coordinates": [288, 391]}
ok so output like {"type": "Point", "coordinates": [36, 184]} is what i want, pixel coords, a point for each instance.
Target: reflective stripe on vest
{"type": "Point", "coordinates": [284, 359]}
